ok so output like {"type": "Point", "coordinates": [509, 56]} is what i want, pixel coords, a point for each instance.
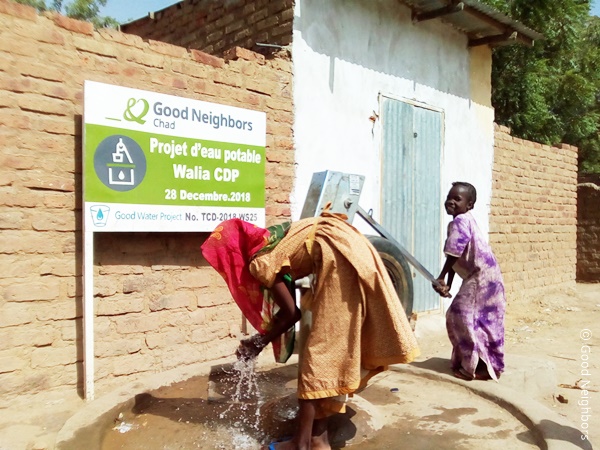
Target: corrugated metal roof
{"type": "Point", "coordinates": [481, 23]}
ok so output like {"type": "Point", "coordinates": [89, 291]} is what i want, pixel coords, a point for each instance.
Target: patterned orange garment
{"type": "Point", "coordinates": [357, 326]}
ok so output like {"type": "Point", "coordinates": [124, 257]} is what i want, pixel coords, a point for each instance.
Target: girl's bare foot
{"type": "Point", "coordinates": [483, 376]}
{"type": "Point", "coordinates": [482, 373]}
{"type": "Point", "coordinates": [463, 375]}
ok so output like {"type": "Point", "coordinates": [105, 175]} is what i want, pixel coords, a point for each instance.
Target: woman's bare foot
{"type": "Point", "coordinates": [311, 433]}
{"type": "Point", "coordinates": [285, 445]}
{"type": "Point", "coordinates": [317, 443]}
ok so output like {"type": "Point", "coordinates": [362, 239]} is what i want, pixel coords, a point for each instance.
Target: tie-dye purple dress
{"type": "Point", "coordinates": [475, 319]}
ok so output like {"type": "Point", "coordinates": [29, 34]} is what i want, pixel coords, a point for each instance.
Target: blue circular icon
{"type": "Point", "coordinates": [120, 163]}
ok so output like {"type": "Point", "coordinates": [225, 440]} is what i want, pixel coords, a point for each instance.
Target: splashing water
{"type": "Point", "coordinates": [247, 396]}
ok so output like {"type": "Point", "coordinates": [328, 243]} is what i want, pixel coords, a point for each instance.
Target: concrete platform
{"type": "Point", "coordinates": [420, 402]}
{"type": "Point", "coordinates": [533, 376]}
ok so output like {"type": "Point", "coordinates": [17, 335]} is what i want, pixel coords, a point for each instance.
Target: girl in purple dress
{"type": "Point", "coordinates": [475, 319]}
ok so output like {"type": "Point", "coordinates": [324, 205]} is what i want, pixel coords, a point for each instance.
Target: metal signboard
{"type": "Point", "coordinates": [157, 162]}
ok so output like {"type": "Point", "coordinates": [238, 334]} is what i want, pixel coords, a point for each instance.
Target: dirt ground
{"type": "Point", "coordinates": [565, 329]}
{"type": "Point", "coordinates": [561, 330]}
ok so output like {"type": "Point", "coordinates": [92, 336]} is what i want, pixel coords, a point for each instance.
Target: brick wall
{"type": "Point", "coordinates": [533, 221]}
{"type": "Point", "coordinates": [215, 26]}
{"type": "Point", "coordinates": [158, 305]}
{"type": "Point", "coordinates": [588, 228]}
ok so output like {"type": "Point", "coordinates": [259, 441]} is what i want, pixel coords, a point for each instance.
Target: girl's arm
{"type": "Point", "coordinates": [444, 291]}
{"type": "Point", "coordinates": [450, 278]}
{"type": "Point", "coordinates": [285, 318]}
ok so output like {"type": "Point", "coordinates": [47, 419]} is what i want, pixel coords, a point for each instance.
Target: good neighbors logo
{"type": "Point", "coordinates": [166, 116]}
{"type": "Point", "coordinates": [136, 110]}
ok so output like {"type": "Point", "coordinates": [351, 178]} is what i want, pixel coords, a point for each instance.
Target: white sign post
{"type": "Point", "coordinates": [155, 162]}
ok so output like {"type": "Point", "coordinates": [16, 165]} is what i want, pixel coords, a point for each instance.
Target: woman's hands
{"type": "Point", "coordinates": [287, 315]}
{"type": "Point", "coordinates": [250, 348]}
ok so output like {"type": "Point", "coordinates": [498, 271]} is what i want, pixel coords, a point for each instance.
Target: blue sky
{"type": "Point", "coordinates": [127, 10]}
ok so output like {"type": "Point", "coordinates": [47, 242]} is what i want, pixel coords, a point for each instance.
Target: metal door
{"type": "Point", "coordinates": [411, 199]}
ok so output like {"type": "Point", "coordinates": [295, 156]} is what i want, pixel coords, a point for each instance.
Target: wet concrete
{"type": "Point", "coordinates": [397, 410]}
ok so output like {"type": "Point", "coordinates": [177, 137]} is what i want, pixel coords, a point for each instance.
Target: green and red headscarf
{"type": "Point", "coordinates": [229, 250]}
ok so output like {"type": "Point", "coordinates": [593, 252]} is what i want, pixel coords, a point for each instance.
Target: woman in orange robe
{"type": "Point", "coordinates": [353, 323]}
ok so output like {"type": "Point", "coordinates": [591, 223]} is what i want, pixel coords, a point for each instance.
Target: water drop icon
{"type": "Point", "coordinates": [121, 175]}
{"type": "Point", "coordinates": [100, 216]}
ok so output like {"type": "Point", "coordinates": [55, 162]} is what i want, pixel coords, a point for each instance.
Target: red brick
{"type": "Point", "coordinates": [205, 58]}
{"type": "Point", "coordinates": [167, 49]}
{"type": "Point", "coordinates": [15, 119]}
{"type": "Point", "coordinates": [146, 59]}
{"type": "Point", "coordinates": [17, 10]}
{"type": "Point", "coordinates": [49, 182]}
{"type": "Point", "coordinates": [53, 356]}
{"type": "Point", "coordinates": [242, 53]}
{"type": "Point", "coordinates": [74, 25]}
{"type": "Point", "coordinates": [42, 71]}
{"type": "Point", "coordinates": [121, 38]}
{"type": "Point", "coordinates": [119, 305]}
{"type": "Point", "coordinates": [95, 46]}
{"type": "Point", "coordinates": [42, 104]}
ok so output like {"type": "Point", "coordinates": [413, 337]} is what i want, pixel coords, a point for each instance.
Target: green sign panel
{"type": "Point", "coordinates": [154, 162]}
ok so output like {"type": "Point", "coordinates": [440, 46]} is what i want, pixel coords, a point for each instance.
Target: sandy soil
{"type": "Point", "coordinates": [564, 329]}
{"type": "Point", "coordinates": [560, 330]}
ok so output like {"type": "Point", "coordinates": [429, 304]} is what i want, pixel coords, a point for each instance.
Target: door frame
{"type": "Point", "coordinates": [381, 95]}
